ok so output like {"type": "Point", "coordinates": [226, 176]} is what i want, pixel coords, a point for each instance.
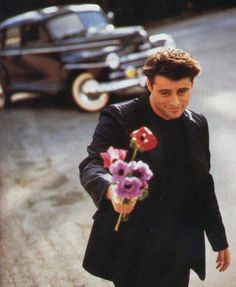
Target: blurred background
{"type": "Point", "coordinates": [127, 12]}
{"type": "Point", "coordinates": [45, 214]}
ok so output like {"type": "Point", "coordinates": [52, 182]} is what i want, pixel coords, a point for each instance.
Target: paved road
{"type": "Point", "coordinates": [45, 214]}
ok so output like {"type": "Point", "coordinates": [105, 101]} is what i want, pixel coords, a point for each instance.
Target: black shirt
{"type": "Point", "coordinates": [177, 175]}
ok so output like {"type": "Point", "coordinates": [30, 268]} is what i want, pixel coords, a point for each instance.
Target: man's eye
{"type": "Point", "coordinates": [182, 92]}
{"type": "Point", "coordinates": [165, 94]}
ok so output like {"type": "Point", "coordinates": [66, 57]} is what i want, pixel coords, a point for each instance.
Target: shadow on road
{"type": "Point", "coordinates": [38, 101]}
{"type": "Point", "coordinates": [60, 101]}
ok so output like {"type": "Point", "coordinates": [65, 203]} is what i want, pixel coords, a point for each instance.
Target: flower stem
{"type": "Point", "coordinates": [134, 153]}
{"type": "Point", "coordinates": [118, 222]}
{"type": "Point", "coordinates": [123, 216]}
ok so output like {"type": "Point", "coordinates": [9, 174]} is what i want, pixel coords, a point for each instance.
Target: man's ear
{"type": "Point", "coordinates": [192, 82]}
{"type": "Point", "coordinates": [149, 85]}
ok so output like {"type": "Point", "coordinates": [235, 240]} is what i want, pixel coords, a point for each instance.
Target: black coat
{"type": "Point", "coordinates": [152, 228]}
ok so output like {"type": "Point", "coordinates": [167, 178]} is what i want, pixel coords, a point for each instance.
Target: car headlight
{"type": "Point", "coordinates": [113, 61]}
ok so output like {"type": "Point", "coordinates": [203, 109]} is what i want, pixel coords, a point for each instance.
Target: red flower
{"type": "Point", "coordinates": [144, 139]}
{"type": "Point", "coordinates": [112, 155]}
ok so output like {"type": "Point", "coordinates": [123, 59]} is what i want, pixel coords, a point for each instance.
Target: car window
{"type": "Point", "coordinates": [12, 38]}
{"type": "Point", "coordinates": [65, 26]}
{"type": "Point", "coordinates": [33, 36]}
{"type": "Point", "coordinates": [92, 19]}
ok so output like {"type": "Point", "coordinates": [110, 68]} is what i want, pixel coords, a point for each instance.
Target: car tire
{"type": "Point", "coordinates": [88, 103]}
{"type": "Point", "coordinates": [4, 98]}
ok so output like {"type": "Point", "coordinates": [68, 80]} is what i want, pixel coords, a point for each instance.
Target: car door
{"type": "Point", "coordinates": [30, 61]}
{"type": "Point", "coordinates": [40, 59]}
{"type": "Point", "coordinates": [10, 54]}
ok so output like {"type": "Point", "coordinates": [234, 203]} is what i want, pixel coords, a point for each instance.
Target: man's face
{"type": "Point", "coordinates": [169, 98]}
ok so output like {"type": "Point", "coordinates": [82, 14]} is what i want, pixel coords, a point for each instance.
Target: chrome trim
{"type": "Point", "coordinates": [169, 40]}
{"type": "Point", "coordinates": [85, 66]}
{"type": "Point", "coordinates": [64, 48]}
{"type": "Point", "coordinates": [83, 7]}
{"type": "Point", "coordinates": [123, 60]}
{"type": "Point", "coordinates": [140, 55]}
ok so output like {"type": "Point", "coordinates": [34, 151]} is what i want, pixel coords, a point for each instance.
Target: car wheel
{"type": "Point", "coordinates": [88, 103]}
{"type": "Point", "coordinates": [4, 98]}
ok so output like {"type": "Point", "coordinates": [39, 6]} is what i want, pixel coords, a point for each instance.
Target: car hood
{"type": "Point", "coordinates": [100, 42]}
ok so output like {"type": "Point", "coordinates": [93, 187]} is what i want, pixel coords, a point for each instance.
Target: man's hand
{"type": "Point", "coordinates": [223, 260]}
{"type": "Point", "coordinates": [116, 201]}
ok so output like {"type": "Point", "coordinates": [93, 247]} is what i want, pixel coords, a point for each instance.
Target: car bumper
{"type": "Point", "coordinates": [93, 87]}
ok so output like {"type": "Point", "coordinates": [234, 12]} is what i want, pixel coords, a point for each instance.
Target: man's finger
{"type": "Point", "coordinates": [220, 260]}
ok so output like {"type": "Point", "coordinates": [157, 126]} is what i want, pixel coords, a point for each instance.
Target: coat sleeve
{"type": "Point", "coordinates": [94, 178]}
{"type": "Point", "coordinates": [213, 224]}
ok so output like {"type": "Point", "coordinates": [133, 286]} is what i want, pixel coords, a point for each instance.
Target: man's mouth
{"type": "Point", "coordinates": [175, 110]}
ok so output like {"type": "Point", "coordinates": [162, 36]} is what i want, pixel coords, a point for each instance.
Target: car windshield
{"type": "Point", "coordinates": [65, 26]}
{"type": "Point", "coordinates": [75, 23]}
{"type": "Point", "coordinates": [92, 19]}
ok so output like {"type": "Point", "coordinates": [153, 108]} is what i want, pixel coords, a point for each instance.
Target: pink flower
{"type": "Point", "coordinates": [111, 155]}
{"type": "Point", "coordinates": [129, 187]}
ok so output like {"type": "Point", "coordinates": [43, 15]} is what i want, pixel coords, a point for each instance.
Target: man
{"type": "Point", "coordinates": [164, 235]}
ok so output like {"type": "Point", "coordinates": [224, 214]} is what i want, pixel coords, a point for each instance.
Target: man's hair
{"type": "Point", "coordinates": [173, 64]}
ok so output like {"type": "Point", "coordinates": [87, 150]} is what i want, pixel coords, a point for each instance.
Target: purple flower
{"type": "Point", "coordinates": [129, 187]}
{"type": "Point", "coordinates": [140, 170]}
{"type": "Point", "coordinates": [119, 169]}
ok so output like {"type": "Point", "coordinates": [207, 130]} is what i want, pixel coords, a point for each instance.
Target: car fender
{"type": "Point", "coordinates": [162, 39]}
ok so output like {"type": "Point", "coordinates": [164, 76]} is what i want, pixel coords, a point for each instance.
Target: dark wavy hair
{"type": "Point", "coordinates": [173, 64]}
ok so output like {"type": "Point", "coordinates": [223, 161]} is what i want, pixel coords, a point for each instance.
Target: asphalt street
{"type": "Point", "coordinates": [45, 215]}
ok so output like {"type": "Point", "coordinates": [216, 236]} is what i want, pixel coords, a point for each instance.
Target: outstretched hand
{"type": "Point", "coordinates": [117, 203]}
{"type": "Point", "coordinates": [223, 260]}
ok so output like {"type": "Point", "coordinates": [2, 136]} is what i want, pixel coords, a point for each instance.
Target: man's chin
{"type": "Point", "coordinates": [174, 116]}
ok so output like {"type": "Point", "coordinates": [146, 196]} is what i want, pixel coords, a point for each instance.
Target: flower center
{"type": "Point", "coordinates": [121, 172]}
{"type": "Point", "coordinates": [137, 173]}
{"type": "Point", "coordinates": [142, 138]}
{"type": "Point", "coordinates": [128, 185]}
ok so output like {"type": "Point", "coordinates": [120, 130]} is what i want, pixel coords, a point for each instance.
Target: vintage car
{"type": "Point", "coordinates": [73, 49]}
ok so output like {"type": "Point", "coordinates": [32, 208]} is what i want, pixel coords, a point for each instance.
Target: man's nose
{"type": "Point", "coordinates": [175, 100]}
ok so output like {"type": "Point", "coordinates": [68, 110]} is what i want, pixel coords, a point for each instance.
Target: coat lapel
{"type": "Point", "coordinates": [198, 152]}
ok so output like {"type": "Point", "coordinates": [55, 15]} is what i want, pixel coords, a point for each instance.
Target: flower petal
{"type": "Point", "coordinates": [111, 155]}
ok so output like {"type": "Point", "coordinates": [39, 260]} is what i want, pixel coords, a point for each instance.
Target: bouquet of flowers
{"type": "Point", "coordinates": [130, 179]}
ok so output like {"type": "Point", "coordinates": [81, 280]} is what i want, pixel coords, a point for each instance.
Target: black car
{"type": "Point", "coordinates": [73, 48]}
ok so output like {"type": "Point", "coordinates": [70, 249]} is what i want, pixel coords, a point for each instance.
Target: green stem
{"type": "Point", "coordinates": [118, 222]}
{"type": "Point", "coordinates": [134, 153]}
